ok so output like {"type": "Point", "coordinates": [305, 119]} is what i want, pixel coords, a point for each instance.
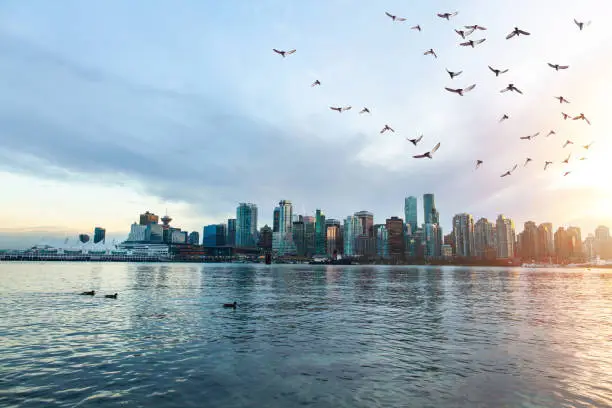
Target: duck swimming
{"type": "Point", "coordinates": [89, 293]}
{"type": "Point", "coordinates": [111, 296]}
{"type": "Point", "coordinates": [232, 305]}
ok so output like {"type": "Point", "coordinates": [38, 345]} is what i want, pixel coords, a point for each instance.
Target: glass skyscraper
{"type": "Point", "coordinates": [410, 212]}
{"type": "Point", "coordinates": [320, 248]}
{"type": "Point", "coordinates": [246, 225]}
{"type": "Point", "coordinates": [429, 206]}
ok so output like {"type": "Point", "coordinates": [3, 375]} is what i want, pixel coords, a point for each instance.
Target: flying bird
{"type": "Point", "coordinates": [453, 74]}
{"type": "Point", "coordinates": [527, 160]}
{"type": "Point", "coordinates": [428, 154]}
{"type": "Point", "coordinates": [478, 163]}
{"type": "Point", "coordinates": [516, 32]}
{"type": "Point", "coordinates": [581, 25]}
{"type": "Point", "coordinates": [581, 116]}
{"type": "Point", "coordinates": [448, 15]}
{"type": "Point", "coordinates": [315, 83]}
{"type": "Point", "coordinates": [476, 27]}
{"type": "Point", "coordinates": [430, 52]}
{"type": "Point", "coordinates": [340, 109]}
{"type": "Point", "coordinates": [416, 27]}
{"type": "Point", "coordinates": [464, 33]}
{"type": "Point", "coordinates": [497, 72]}
{"type": "Point", "coordinates": [283, 53]}
{"type": "Point", "coordinates": [546, 164]}
{"type": "Point", "coordinates": [472, 43]}
{"type": "Point", "coordinates": [511, 87]}
{"type": "Point", "coordinates": [395, 18]}
{"type": "Point", "coordinates": [552, 132]}
{"type": "Point", "coordinates": [461, 91]}
{"type": "Point", "coordinates": [589, 145]}
{"type": "Point", "coordinates": [530, 136]}
{"type": "Point", "coordinates": [565, 116]}
{"type": "Point", "coordinates": [387, 127]}
{"type": "Point", "coordinates": [566, 161]}
{"type": "Point", "coordinates": [566, 173]}
{"type": "Point", "coordinates": [504, 118]}
{"type": "Point", "coordinates": [562, 99]}
{"type": "Point", "coordinates": [509, 172]}
{"type": "Point", "coordinates": [415, 141]}
{"type": "Point", "coordinates": [567, 142]}
{"type": "Point", "coordinates": [583, 158]}
{"type": "Point", "coordinates": [557, 66]}
{"type": "Point", "coordinates": [364, 110]}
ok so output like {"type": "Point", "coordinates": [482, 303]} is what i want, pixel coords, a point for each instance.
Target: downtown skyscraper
{"type": "Point", "coordinates": [410, 213]}
{"type": "Point", "coordinates": [506, 237]}
{"type": "Point", "coordinates": [282, 240]}
{"type": "Point", "coordinates": [246, 225]}
{"type": "Point", "coordinates": [463, 231]}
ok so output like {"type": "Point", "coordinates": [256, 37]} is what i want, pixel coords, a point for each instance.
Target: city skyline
{"type": "Point", "coordinates": [145, 113]}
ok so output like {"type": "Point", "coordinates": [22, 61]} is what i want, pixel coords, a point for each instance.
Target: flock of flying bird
{"type": "Point", "coordinates": [464, 33]}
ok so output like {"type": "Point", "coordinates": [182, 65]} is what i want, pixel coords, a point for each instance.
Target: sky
{"type": "Point", "coordinates": [109, 109]}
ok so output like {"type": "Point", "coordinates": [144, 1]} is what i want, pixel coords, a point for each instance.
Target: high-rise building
{"type": "Point", "coordinates": [546, 240]}
{"type": "Point", "coordinates": [431, 242]}
{"type": "Point", "coordinates": [410, 212]}
{"type": "Point", "coordinates": [320, 246]}
{"type": "Point", "coordinates": [276, 219]}
{"type": "Point", "coordinates": [299, 236]}
{"type": "Point", "coordinates": [382, 241]}
{"type": "Point", "coordinates": [484, 239]}
{"type": "Point", "coordinates": [333, 235]}
{"type": "Point", "coordinates": [309, 234]}
{"type": "Point", "coordinates": [395, 233]}
{"type": "Point", "coordinates": [603, 242]}
{"type": "Point", "coordinates": [365, 244]}
{"type": "Point", "coordinates": [529, 242]}
{"type": "Point", "coordinates": [506, 237]}
{"type": "Point", "coordinates": [463, 230]}
{"type": "Point", "coordinates": [575, 236]}
{"type": "Point", "coordinates": [282, 241]}
{"type": "Point", "coordinates": [429, 208]}
{"type": "Point", "coordinates": [148, 218]}
{"type": "Point", "coordinates": [231, 232]}
{"type": "Point", "coordinates": [99, 235]}
{"type": "Point", "coordinates": [137, 233]}
{"type": "Point", "coordinates": [589, 247]}
{"type": "Point", "coordinates": [214, 235]}
{"type": "Point", "coordinates": [265, 238]}
{"type": "Point", "coordinates": [154, 233]}
{"type": "Point", "coordinates": [194, 238]}
{"type": "Point", "coordinates": [352, 229]}
{"type": "Point", "coordinates": [563, 246]}
{"type": "Point", "coordinates": [246, 225]}
{"type": "Point", "coordinates": [602, 233]}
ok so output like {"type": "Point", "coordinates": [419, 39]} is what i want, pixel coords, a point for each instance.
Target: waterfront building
{"type": "Point", "coordinates": [265, 238]}
{"type": "Point", "coordinates": [447, 251]}
{"type": "Point", "coordinates": [276, 219]}
{"type": "Point", "coordinates": [176, 236]}
{"type": "Point", "coordinates": [382, 241]}
{"type": "Point", "coordinates": [528, 242]}
{"type": "Point", "coordinates": [214, 235]}
{"type": "Point", "coordinates": [246, 225]}
{"type": "Point", "coordinates": [309, 234]}
{"type": "Point", "coordinates": [299, 236]}
{"type": "Point", "coordinates": [148, 218]}
{"type": "Point", "coordinates": [603, 242]}
{"type": "Point", "coordinates": [395, 233]}
{"type": "Point", "coordinates": [365, 243]}
{"type": "Point", "coordinates": [137, 233]}
{"type": "Point", "coordinates": [230, 240]}
{"type": "Point", "coordinates": [589, 247]}
{"type": "Point", "coordinates": [546, 245]}
{"type": "Point", "coordinates": [99, 235]}
{"type": "Point", "coordinates": [320, 246]}
{"type": "Point", "coordinates": [506, 237]}
{"type": "Point", "coordinates": [154, 233]}
{"type": "Point", "coordinates": [194, 238]}
{"type": "Point", "coordinates": [429, 208]}
{"type": "Point", "coordinates": [410, 213]}
{"type": "Point", "coordinates": [484, 239]}
{"type": "Point", "coordinates": [282, 241]}
{"type": "Point", "coordinates": [463, 230]}
{"type": "Point", "coordinates": [333, 237]}
{"type": "Point", "coordinates": [352, 229]}
{"type": "Point", "coordinates": [430, 241]}
{"type": "Point", "coordinates": [575, 235]}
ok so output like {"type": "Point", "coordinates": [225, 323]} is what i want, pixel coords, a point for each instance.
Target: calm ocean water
{"type": "Point", "coordinates": [328, 336]}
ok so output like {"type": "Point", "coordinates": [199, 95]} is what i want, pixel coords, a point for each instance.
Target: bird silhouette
{"type": "Point", "coordinates": [582, 158]}
{"type": "Point", "coordinates": [416, 27]}
{"type": "Point", "coordinates": [552, 132]}
{"type": "Point", "coordinates": [582, 25]}
{"type": "Point", "coordinates": [448, 15]}
{"type": "Point", "coordinates": [504, 118]}
{"type": "Point", "coordinates": [428, 154]}
{"type": "Point", "coordinates": [527, 160]}
{"type": "Point", "coordinates": [364, 110]}
{"type": "Point", "coordinates": [478, 163]}
{"type": "Point", "coordinates": [511, 87]}
{"type": "Point", "coordinates": [387, 127]}
{"type": "Point", "coordinates": [472, 43]}
{"type": "Point", "coordinates": [509, 172]}
{"type": "Point", "coordinates": [516, 32]}
{"type": "Point", "coordinates": [557, 66]}
{"type": "Point", "coordinates": [315, 83]}
{"type": "Point", "coordinates": [561, 99]}
{"type": "Point", "coordinates": [530, 136]}
{"type": "Point", "coordinates": [588, 146]}
{"type": "Point", "coordinates": [566, 161]}
{"type": "Point", "coordinates": [567, 142]}
{"type": "Point", "coordinates": [461, 91]}
{"type": "Point", "coordinates": [395, 18]}
{"type": "Point", "coordinates": [339, 109]}
{"type": "Point", "coordinates": [464, 33]}
{"type": "Point", "coordinates": [415, 141]}
{"type": "Point", "coordinates": [546, 164]}
{"type": "Point", "coordinates": [453, 74]}
{"type": "Point", "coordinates": [476, 27]}
{"type": "Point", "coordinates": [497, 72]}
{"type": "Point", "coordinates": [581, 116]}
{"type": "Point", "coordinates": [566, 173]}
{"type": "Point", "coordinates": [430, 52]}
{"type": "Point", "coordinates": [283, 53]}
{"type": "Point", "coordinates": [565, 116]}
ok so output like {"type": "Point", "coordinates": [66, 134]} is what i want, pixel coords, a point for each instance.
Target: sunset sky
{"type": "Point", "coordinates": [111, 108]}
